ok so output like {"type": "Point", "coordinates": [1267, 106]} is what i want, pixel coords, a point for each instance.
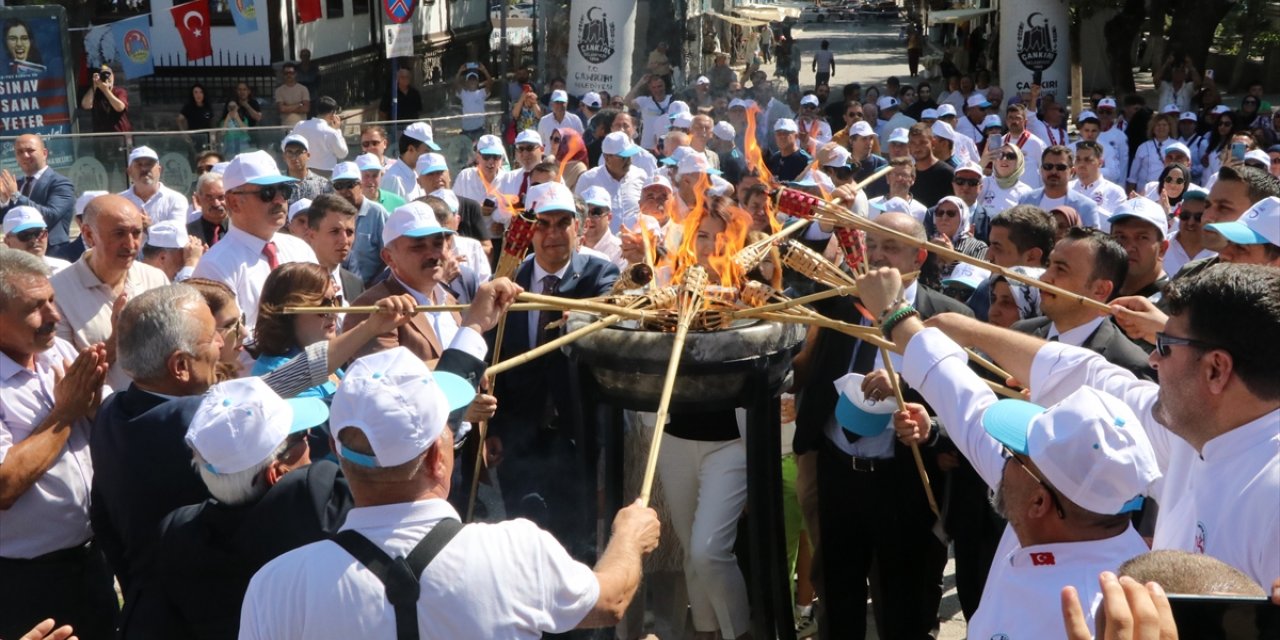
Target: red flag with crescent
{"type": "Point", "coordinates": [192, 21]}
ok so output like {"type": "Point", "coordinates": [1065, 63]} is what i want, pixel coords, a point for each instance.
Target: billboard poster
{"type": "Point", "coordinates": [600, 46]}
{"type": "Point", "coordinates": [1034, 47]}
{"type": "Point", "coordinates": [36, 88]}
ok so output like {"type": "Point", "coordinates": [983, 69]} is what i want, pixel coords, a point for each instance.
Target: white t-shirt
{"type": "Point", "coordinates": [996, 198]}
{"type": "Point", "coordinates": [548, 124]}
{"type": "Point", "coordinates": [472, 103]}
{"type": "Point", "coordinates": [824, 59]}
{"type": "Point", "coordinates": [504, 580]}
{"type": "Point", "coordinates": [654, 121]}
{"type": "Point", "coordinates": [1105, 194]}
{"type": "Point", "coordinates": [1049, 204]}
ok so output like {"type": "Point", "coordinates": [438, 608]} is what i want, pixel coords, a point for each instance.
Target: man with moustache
{"type": "Point", "coordinates": [212, 224]}
{"type": "Point", "coordinates": [159, 202]}
{"type": "Point", "coordinates": [93, 286]}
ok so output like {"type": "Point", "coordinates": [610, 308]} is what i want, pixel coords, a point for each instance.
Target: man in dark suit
{"type": "Point", "coordinates": [862, 494]}
{"type": "Point", "coordinates": [41, 187]}
{"type": "Point", "coordinates": [212, 224]}
{"type": "Point", "coordinates": [539, 403]}
{"type": "Point", "coordinates": [1092, 264]}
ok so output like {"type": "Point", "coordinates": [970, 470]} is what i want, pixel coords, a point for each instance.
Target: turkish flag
{"type": "Point", "coordinates": [192, 21]}
{"type": "Point", "coordinates": [1042, 559]}
{"type": "Point", "coordinates": [308, 11]}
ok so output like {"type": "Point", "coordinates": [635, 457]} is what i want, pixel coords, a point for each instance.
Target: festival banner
{"type": "Point", "coordinates": [36, 88]}
{"type": "Point", "coordinates": [600, 46]}
{"type": "Point", "coordinates": [192, 21]}
{"type": "Point", "coordinates": [308, 11]}
{"type": "Point", "coordinates": [133, 46]}
{"type": "Point", "coordinates": [1035, 47]}
{"type": "Point", "coordinates": [245, 15]}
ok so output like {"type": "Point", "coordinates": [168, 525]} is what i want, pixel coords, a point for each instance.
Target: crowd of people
{"type": "Point", "coordinates": [185, 454]}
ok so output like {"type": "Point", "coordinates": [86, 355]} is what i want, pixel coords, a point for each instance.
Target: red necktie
{"type": "Point", "coordinates": [269, 250]}
{"type": "Point", "coordinates": [217, 229]}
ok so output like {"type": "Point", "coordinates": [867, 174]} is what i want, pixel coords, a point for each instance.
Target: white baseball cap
{"type": "Point", "coordinates": [810, 99]}
{"type": "Point", "coordinates": [681, 120]}
{"type": "Point", "coordinates": [1170, 108]}
{"type": "Point", "coordinates": [677, 155]}
{"type": "Point", "coordinates": [992, 122]}
{"type": "Point", "coordinates": [398, 403]}
{"type": "Point", "coordinates": [811, 178]}
{"type": "Point", "coordinates": [550, 196]}
{"type": "Point", "coordinates": [724, 131]}
{"type": "Point", "coordinates": [1085, 116]}
{"type": "Point", "coordinates": [1090, 447]}
{"type": "Point", "coordinates": [345, 171]}
{"type": "Point", "coordinates": [857, 413]}
{"type": "Point", "coordinates": [415, 220]}
{"type": "Point", "coordinates": [839, 157]}
{"type": "Point", "coordinates": [220, 167]}
{"type": "Point", "coordinates": [738, 103]}
{"type": "Point", "coordinates": [298, 207]}
{"type": "Point", "coordinates": [1143, 209]}
{"type": "Point", "coordinates": [529, 136]}
{"type": "Point", "coordinates": [678, 106]}
{"type": "Point", "coordinates": [294, 138]}
{"type": "Point", "coordinates": [85, 198]}
{"type": "Point", "coordinates": [430, 163]}
{"type": "Point", "coordinates": [886, 103]}
{"type": "Point", "coordinates": [944, 130]}
{"type": "Point", "coordinates": [1107, 103]}
{"type": "Point", "coordinates": [861, 129]}
{"type": "Point", "coordinates": [1189, 115]}
{"type": "Point", "coordinates": [167, 234]}
{"type": "Point", "coordinates": [946, 110]}
{"type": "Point", "coordinates": [1258, 155]}
{"type": "Point", "coordinates": [971, 167]}
{"type": "Point", "coordinates": [491, 145]}
{"type": "Point", "coordinates": [658, 180]}
{"type": "Point", "coordinates": [242, 421]}
{"type": "Point", "coordinates": [1260, 224]}
{"type": "Point", "coordinates": [892, 205]}
{"type": "Point", "coordinates": [900, 135]}
{"type": "Point", "coordinates": [967, 275]}
{"type": "Point", "coordinates": [1176, 147]}
{"type": "Point", "coordinates": [977, 100]}
{"type": "Point", "coordinates": [786, 124]}
{"type": "Point", "coordinates": [591, 99]}
{"type": "Point", "coordinates": [421, 132]}
{"type": "Point", "coordinates": [619, 143]}
{"type": "Point", "coordinates": [23, 218]}
{"type": "Point", "coordinates": [597, 197]}
{"type": "Point", "coordinates": [559, 95]}
{"type": "Point", "coordinates": [1220, 109]}
{"type": "Point", "coordinates": [139, 153]}
{"type": "Point", "coordinates": [929, 114]}
{"type": "Point", "coordinates": [369, 162]}
{"type": "Point", "coordinates": [702, 80]}
{"type": "Point", "coordinates": [695, 163]}
{"type": "Point", "coordinates": [449, 197]}
{"type": "Point", "coordinates": [255, 167]}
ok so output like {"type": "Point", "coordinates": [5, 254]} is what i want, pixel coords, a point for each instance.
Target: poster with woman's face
{"type": "Point", "coordinates": [34, 82]}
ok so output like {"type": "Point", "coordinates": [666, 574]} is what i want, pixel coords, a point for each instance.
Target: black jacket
{"type": "Point", "coordinates": [1107, 341]}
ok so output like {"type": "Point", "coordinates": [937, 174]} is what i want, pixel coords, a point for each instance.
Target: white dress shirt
{"type": "Point", "coordinates": [325, 144]}
{"type": "Point", "coordinates": [1105, 194]}
{"type": "Point", "coordinates": [507, 580]}
{"type": "Point", "coordinates": [654, 120]}
{"type": "Point", "coordinates": [1221, 500]}
{"type": "Point", "coordinates": [53, 514]}
{"type": "Point", "coordinates": [611, 247]}
{"type": "Point", "coordinates": [536, 287]}
{"type": "Point", "coordinates": [237, 262]}
{"type": "Point", "coordinates": [1148, 161]}
{"type": "Point", "coordinates": [1075, 337]}
{"type": "Point", "coordinates": [476, 260]}
{"type": "Point", "coordinates": [1034, 575]}
{"type": "Point", "coordinates": [55, 264]}
{"type": "Point", "coordinates": [1176, 257]}
{"type": "Point", "coordinates": [442, 322]}
{"type": "Point", "coordinates": [1117, 154]}
{"type": "Point", "coordinates": [85, 303]}
{"type": "Point", "coordinates": [164, 204]}
{"type": "Point", "coordinates": [548, 125]}
{"type": "Point", "coordinates": [402, 180]}
{"type": "Point", "coordinates": [918, 210]}
{"type": "Point", "coordinates": [624, 194]}
{"type": "Point", "coordinates": [470, 184]}
{"type": "Point", "coordinates": [644, 160]}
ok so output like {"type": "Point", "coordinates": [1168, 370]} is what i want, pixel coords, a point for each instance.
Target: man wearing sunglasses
{"type": "Point", "coordinates": [24, 230]}
{"type": "Point", "coordinates": [1187, 243]}
{"type": "Point", "coordinates": [596, 233]}
{"type": "Point", "coordinates": [1056, 168]}
{"type": "Point", "coordinates": [1067, 472]}
{"type": "Point", "coordinates": [258, 197]}
{"type": "Point", "coordinates": [365, 258]}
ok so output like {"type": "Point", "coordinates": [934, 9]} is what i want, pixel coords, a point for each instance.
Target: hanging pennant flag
{"type": "Point", "coordinates": [308, 11]}
{"type": "Point", "coordinates": [245, 15]}
{"type": "Point", "coordinates": [133, 46]}
{"type": "Point", "coordinates": [192, 21]}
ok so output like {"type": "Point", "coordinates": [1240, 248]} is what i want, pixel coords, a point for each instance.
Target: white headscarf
{"type": "Point", "coordinates": [965, 215]}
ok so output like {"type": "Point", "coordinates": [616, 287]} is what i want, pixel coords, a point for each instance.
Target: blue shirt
{"type": "Point", "coordinates": [365, 259]}
{"type": "Point", "coordinates": [267, 364]}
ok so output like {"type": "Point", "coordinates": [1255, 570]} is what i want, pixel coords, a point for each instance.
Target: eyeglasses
{"type": "Point", "coordinates": [293, 153]}
{"type": "Point", "coordinates": [1053, 495]}
{"type": "Point", "coordinates": [946, 213]}
{"type": "Point", "coordinates": [269, 192]}
{"type": "Point", "coordinates": [344, 185]}
{"type": "Point", "coordinates": [1010, 156]}
{"type": "Point", "coordinates": [596, 212]}
{"type": "Point", "coordinates": [1164, 341]}
{"type": "Point", "coordinates": [1050, 166]}
{"type": "Point", "coordinates": [370, 143]}
{"type": "Point", "coordinates": [1173, 180]}
{"type": "Point", "coordinates": [30, 234]}
{"type": "Point", "coordinates": [966, 182]}
{"type": "Point", "coordinates": [526, 148]}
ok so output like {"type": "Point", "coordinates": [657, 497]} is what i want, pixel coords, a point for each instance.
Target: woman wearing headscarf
{"type": "Point", "coordinates": [571, 154]}
{"type": "Point", "coordinates": [1012, 301]}
{"type": "Point", "coordinates": [1172, 184]}
{"type": "Point", "coordinates": [1002, 188]}
{"type": "Point", "coordinates": [1064, 218]}
{"type": "Point", "coordinates": [948, 225]}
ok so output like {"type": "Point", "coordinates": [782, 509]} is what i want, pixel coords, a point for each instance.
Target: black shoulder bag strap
{"type": "Point", "coordinates": [400, 575]}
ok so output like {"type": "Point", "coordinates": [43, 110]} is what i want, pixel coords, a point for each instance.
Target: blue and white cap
{"type": "Point", "coordinates": [241, 422]}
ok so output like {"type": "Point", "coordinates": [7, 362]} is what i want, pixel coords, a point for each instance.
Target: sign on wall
{"type": "Point", "coordinates": [601, 33]}
{"type": "Point", "coordinates": [36, 89]}
{"type": "Point", "coordinates": [1035, 46]}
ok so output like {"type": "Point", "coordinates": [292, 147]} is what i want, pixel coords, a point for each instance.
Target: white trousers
{"type": "Point", "coordinates": [705, 485]}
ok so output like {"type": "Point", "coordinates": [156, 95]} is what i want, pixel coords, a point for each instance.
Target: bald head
{"type": "Point", "coordinates": [31, 154]}
{"type": "Point", "coordinates": [903, 223]}
{"type": "Point", "coordinates": [884, 250]}
{"type": "Point", "coordinates": [113, 228]}
{"type": "Point", "coordinates": [111, 207]}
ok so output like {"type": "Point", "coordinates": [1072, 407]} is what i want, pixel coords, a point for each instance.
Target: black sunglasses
{"type": "Point", "coordinates": [269, 192]}
{"type": "Point", "coordinates": [1010, 156]}
{"type": "Point", "coordinates": [1173, 180]}
{"type": "Point", "coordinates": [526, 147]}
{"type": "Point", "coordinates": [596, 212]}
{"type": "Point", "coordinates": [1187, 215]}
{"type": "Point", "coordinates": [1049, 166]}
{"type": "Point", "coordinates": [946, 213]}
{"type": "Point", "coordinates": [30, 234]}
{"type": "Point", "coordinates": [966, 182]}
{"type": "Point", "coordinates": [1165, 341]}
{"type": "Point", "coordinates": [344, 185]}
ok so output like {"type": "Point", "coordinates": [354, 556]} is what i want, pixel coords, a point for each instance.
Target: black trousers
{"type": "Point", "coordinates": [876, 534]}
{"type": "Point", "coordinates": [541, 479]}
{"type": "Point", "coordinates": [72, 586]}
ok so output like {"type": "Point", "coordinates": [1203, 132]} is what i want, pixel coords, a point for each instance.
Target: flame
{"type": "Point", "coordinates": [511, 202]}
{"type": "Point", "coordinates": [570, 146]}
{"type": "Point", "coordinates": [755, 156]}
{"type": "Point", "coordinates": [722, 270]}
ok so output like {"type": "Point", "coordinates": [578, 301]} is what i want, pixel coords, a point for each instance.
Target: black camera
{"type": "Point", "coordinates": [104, 74]}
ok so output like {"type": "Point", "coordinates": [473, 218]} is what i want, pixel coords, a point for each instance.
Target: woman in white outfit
{"type": "Point", "coordinates": [1002, 187]}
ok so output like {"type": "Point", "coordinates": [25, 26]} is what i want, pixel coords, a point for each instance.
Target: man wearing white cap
{"type": "Point", "coordinates": [395, 444]}
{"type": "Point", "coordinates": [479, 182]}
{"type": "Point", "coordinates": [891, 116]}
{"type": "Point", "coordinates": [1015, 118]}
{"type": "Point", "coordinates": [294, 224]}
{"type": "Point", "coordinates": [365, 259]}
{"type": "Point", "coordinates": [862, 140]}
{"type": "Point", "coordinates": [514, 184]}
{"type": "Point", "coordinates": [256, 196]}
{"type": "Point", "coordinates": [965, 147]}
{"type": "Point", "coordinates": [789, 161]}
{"type": "Point", "coordinates": [558, 118]}
{"type": "Point", "coordinates": [693, 172]}
{"type": "Point", "coordinates": [1114, 138]}
{"type": "Point", "coordinates": [619, 178]}
{"type": "Point", "coordinates": [945, 143]}
{"type": "Point", "coordinates": [1142, 228]}
{"type": "Point", "coordinates": [159, 202]}
{"type": "Point", "coordinates": [1067, 476]}
{"type": "Point", "coordinates": [169, 249]}
{"type": "Point", "coordinates": [653, 108]}
{"type": "Point", "coordinates": [728, 158]}
{"type": "Point", "coordinates": [699, 95]}
{"type": "Point", "coordinates": [975, 110]}
{"type": "Point", "coordinates": [897, 144]}
{"type": "Point", "coordinates": [1253, 239]}
{"type": "Point", "coordinates": [25, 230]}
{"type": "Point", "coordinates": [371, 168]}
{"type": "Point", "coordinates": [475, 85]}
{"type": "Point", "coordinates": [400, 178]}
{"type": "Point", "coordinates": [596, 232]}
{"type": "Point", "coordinates": [297, 159]}
{"type": "Point", "coordinates": [814, 130]}
{"type": "Point", "coordinates": [588, 106]}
